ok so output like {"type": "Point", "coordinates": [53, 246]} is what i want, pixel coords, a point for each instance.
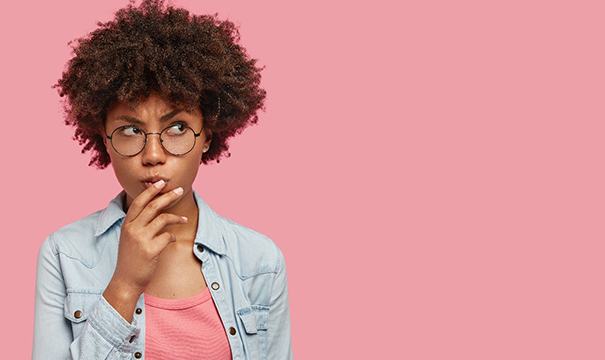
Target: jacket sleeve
{"type": "Point", "coordinates": [103, 333]}
{"type": "Point", "coordinates": [279, 342]}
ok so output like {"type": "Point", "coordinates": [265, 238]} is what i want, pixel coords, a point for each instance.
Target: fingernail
{"type": "Point", "coordinates": [184, 218]}
{"type": "Point", "coordinates": [159, 183]}
{"type": "Point", "coordinates": [178, 190]}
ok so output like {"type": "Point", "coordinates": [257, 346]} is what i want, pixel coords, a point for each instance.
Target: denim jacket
{"type": "Point", "coordinates": [244, 269]}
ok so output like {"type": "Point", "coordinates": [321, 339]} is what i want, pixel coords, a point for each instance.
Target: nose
{"type": "Point", "coordinates": [153, 152]}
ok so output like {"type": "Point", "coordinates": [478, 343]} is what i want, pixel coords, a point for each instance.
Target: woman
{"type": "Point", "coordinates": [157, 274]}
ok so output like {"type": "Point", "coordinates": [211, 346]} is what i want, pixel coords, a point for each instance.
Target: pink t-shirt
{"type": "Point", "coordinates": [186, 328]}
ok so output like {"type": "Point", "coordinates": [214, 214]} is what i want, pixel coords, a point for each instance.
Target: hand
{"type": "Point", "coordinates": [141, 241]}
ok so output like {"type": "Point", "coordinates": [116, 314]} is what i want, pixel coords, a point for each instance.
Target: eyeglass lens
{"type": "Point", "coordinates": [176, 139]}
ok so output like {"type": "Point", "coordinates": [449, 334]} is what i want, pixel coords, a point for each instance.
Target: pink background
{"type": "Point", "coordinates": [433, 173]}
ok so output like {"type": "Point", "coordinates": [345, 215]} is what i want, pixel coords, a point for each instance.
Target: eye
{"type": "Point", "coordinates": [178, 128]}
{"type": "Point", "coordinates": [130, 130]}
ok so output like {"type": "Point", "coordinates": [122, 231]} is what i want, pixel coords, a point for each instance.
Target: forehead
{"type": "Point", "coordinates": [150, 110]}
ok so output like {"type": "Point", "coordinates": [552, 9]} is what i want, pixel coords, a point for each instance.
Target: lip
{"type": "Point", "coordinates": [151, 180]}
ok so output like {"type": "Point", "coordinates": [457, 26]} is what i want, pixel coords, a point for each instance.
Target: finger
{"type": "Point", "coordinates": [154, 207]}
{"type": "Point", "coordinates": [162, 240]}
{"type": "Point", "coordinates": [161, 221]}
{"type": "Point", "coordinates": [139, 203]}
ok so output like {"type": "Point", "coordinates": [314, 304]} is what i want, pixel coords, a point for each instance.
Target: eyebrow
{"type": "Point", "coordinates": [163, 118]}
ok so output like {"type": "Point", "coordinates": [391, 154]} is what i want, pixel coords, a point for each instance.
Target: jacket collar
{"type": "Point", "coordinates": [208, 225]}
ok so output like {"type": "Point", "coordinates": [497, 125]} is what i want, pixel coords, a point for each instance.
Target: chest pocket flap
{"type": "Point", "coordinates": [254, 318]}
{"type": "Point", "coordinates": [79, 305]}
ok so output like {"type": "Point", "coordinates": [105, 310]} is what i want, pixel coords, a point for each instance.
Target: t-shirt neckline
{"type": "Point", "coordinates": [177, 304]}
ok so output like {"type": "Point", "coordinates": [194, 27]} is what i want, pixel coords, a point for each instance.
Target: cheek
{"type": "Point", "coordinates": [124, 173]}
{"type": "Point", "coordinates": [187, 170]}
{"type": "Point", "coordinates": [190, 168]}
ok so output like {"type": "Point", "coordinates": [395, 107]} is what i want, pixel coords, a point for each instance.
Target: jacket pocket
{"type": "Point", "coordinates": [77, 308]}
{"type": "Point", "coordinates": [254, 320]}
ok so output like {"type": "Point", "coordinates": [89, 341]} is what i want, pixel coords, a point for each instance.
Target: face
{"type": "Point", "coordinates": [154, 160]}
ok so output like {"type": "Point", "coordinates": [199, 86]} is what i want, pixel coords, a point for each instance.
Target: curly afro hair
{"type": "Point", "coordinates": [191, 60]}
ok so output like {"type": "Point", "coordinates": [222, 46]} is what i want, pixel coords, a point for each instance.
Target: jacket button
{"type": "Point", "coordinates": [77, 314]}
{"type": "Point", "coordinates": [200, 248]}
{"type": "Point", "coordinates": [138, 311]}
{"type": "Point", "coordinates": [138, 355]}
{"type": "Point", "coordinates": [232, 331]}
{"type": "Point", "coordinates": [215, 286]}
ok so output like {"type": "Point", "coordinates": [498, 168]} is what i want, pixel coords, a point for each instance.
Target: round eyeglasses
{"type": "Point", "coordinates": [178, 139]}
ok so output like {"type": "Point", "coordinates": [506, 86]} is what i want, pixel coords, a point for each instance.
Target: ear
{"type": "Point", "coordinates": [208, 134]}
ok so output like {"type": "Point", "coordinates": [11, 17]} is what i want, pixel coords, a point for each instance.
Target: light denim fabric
{"type": "Point", "coordinates": [245, 272]}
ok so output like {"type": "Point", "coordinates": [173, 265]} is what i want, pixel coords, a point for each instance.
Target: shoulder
{"type": "Point", "coordinates": [75, 240]}
{"type": "Point", "coordinates": [254, 251]}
